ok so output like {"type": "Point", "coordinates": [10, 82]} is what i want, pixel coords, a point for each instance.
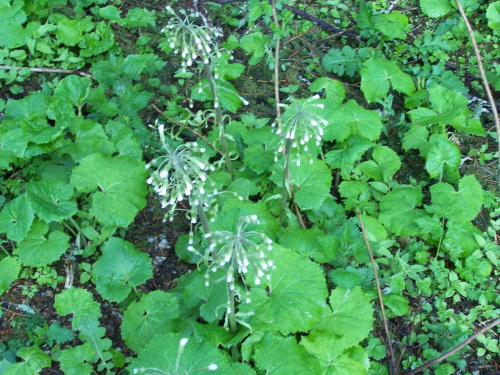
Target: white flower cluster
{"type": "Point", "coordinates": [241, 249]}
{"type": "Point", "coordinates": [302, 125]}
{"type": "Point", "coordinates": [184, 35]}
{"type": "Point", "coordinates": [178, 175]}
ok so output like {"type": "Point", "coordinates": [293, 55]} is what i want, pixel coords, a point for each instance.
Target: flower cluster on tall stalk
{"type": "Point", "coordinates": [302, 127]}
{"type": "Point", "coordinates": [178, 175]}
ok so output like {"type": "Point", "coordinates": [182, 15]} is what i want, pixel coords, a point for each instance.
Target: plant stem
{"type": "Point", "coordinates": [79, 230]}
{"type": "Point", "coordinates": [394, 370]}
{"type": "Point", "coordinates": [232, 315]}
{"type": "Point", "coordinates": [218, 118]}
{"type": "Point", "coordinates": [286, 177]}
{"type": "Point", "coordinates": [484, 79]}
{"type": "Point", "coordinates": [456, 349]}
{"type": "Point", "coordinates": [184, 126]}
{"type": "Point", "coordinates": [47, 70]}
{"type": "Point", "coordinates": [5, 250]}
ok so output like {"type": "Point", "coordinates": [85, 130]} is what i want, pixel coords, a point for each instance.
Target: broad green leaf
{"type": "Point", "coordinates": [352, 119]}
{"type": "Point", "coordinates": [255, 44]}
{"type": "Point", "coordinates": [297, 295]}
{"type": "Point", "coordinates": [416, 138]}
{"type": "Point", "coordinates": [345, 61]}
{"type": "Point", "coordinates": [351, 277]}
{"type": "Point", "coordinates": [39, 249]}
{"type": "Point", "coordinates": [277, 355]}
{"type": "Point", "coordinates": [379, 74]}
{"type": "Point", "coordinates": [493, 15]}
{"type": "Point", "coordinates": [305, 242]}
{"type": "Point", "coordinates": [124, 139]}
{"type": "Point", "coordinates": [397, 304]}
{"type": "Point", "coordinates": [348, 152]}
{"type": "Point", "coordinates": [70, 32]}
{"type": "Point", "coordinates": [350, 317]}
{"type": "Point", "coordinates": [392, 25]}
{"type": "Point", "coordinates": [384, 165]}
{"type": "Point", "coordinates": [9, 270]}
{"type": "Point", "coordinates": [51, 200]}
{"type": "Point", "coordinates": [12, 33]}
{"type": "Point", "coordinates": [207, 301]}
{"type": "Point", "coordinates": [461, 205]}
{"type": "Point", "coordinates": [227, 70]}
{"type": "Point", "coordinates": [78, 302]}
{"type": "Point", "coordinates": [33, 104]}
{"type": "Point", "coordinates": [163, 353]}
{"type": "Point", "coordinates": [227, 94]}
{"type": "Point", "coordinates": [16, 218]}
{"type": "Point", "coordinates": [149, 317]}
{"type": "Point", "coordinates": [120, 183]}
{"type": "Point", "coordinates": [333, 357]}
{"type": "Point", "coordinates": [113, 279]}
{"type": "Point", "coordinates": [443, 157]}
{"type": "Point", "coordinates": [35, 360]}
{"type": "Point", "coordinates": [311, 183]}
{"type": "Point", "coordinates": [435, 8]}
{"type": "Point", "coordinates": [73, 89]}
{"type": "Point", "coordinates": [90, 138]}
{"type": "Point", "coordinates": [97, 42]}
{"type": "Point", "coordinates": [93, 334]}
{"type": "Point", "coordinates": [398, 210]}
{"type": "Point", "coordinates": [110, 12]}
{"type": "Point", "coordinates": [75, 361]}
{"type": "Point", "coordinates": [333, 90]}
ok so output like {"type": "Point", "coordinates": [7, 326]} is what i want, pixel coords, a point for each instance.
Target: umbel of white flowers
{"type": "Point", "coordinates": [238, 251]}
{"type": "Point", "coordinates": [178, 175]}
{"type": "Point", "coordinates": [302, 125]}
{"type": "Point", "coordinates": [184, 35]}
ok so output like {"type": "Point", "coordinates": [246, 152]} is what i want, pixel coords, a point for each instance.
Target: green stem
{"type": "Point", "coordinates": [77, 227]}
{"type": "Point", "coordinates": [232, 315]}
{"type": "Point", "coordinates": [218, 119]}
{"type": "Point", "coordinates": [440, 241]}
{"type": "Point", "coordinates": [206, 227]}
{"type": "Point", "coordinates": [5, 250]}
{"type": "Point", "coordinates": [286, 176]}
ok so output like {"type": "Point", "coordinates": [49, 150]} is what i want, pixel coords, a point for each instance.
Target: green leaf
{"type": "Point", "coordinates": [384, 165]}
{"type": "Point", "coordinates": [97, 42]}
{"type": "Point", "coordinates": [51, 200]}
{"type": "Point", "coordinates": [227, 70]}
{"type": "Point", "coordinates": [328, 348]}
{"type": "Point", "coordinates": [345, 61]}
{"type": "Point", "coordinates": [255, 44]}
{"type": "Point", "coordinates": [311, 183]}
{"type": "Point", "coordinates": [226, 93]}
{"type": "Point", "coordinates": [73, 89]}
{"type": "Point", "coordinates": [379, 74]}
{"type": "Point", "coordinates": [398, 210]}
{"type": "Point", "coordinates": [70, 32]}
{"type": "Point", "coordinates": [305, 242]}
{"type": "Point", "coordinates": [149, 317]}
{"type": "Point", "coordinates": [398, 304]}
{"type": "Point", "coordinates": [351, 316]}
{"type": "Point", "coordinates": [35, 360]}
{"type": "Point", "coordinates": [16, 218]}
{"type": "Point", "coordinates": [163, 354]}
{"type": "Point", "coordinates": [435, 8]}
{"type": "Point", "coordinates": [120, 183]}
{"type": "Point", "coordinates": [78, 302]}
{"type": "Point", "coordinates": [113, 279]}
{"type": "Point", "coordinates": [276, 355]}
{"type": "Point", "coordinates": [348, 152]}
{"type": "Point", "coordinates": [392, 25]}
{"type": "Point", "coordinates": [12, 33]}
{"type": "Point", "coordinates": [493, 15]}
{"type": "Point", "coordinates": [75, 361]}
{"type": "Point", "coordinates": [351, 277]}
{"type": "Point", "coordinates": [352, 119]}
{"type": "Point", "coordinates": [38, 249]}
{"type": "Point", "coordinates": [297, 295]}
{"type": "Point", "coordinates": [110, 12]}
{"type": "Point", "coordinates": [457, 206]}
{"type": "Point", "coordinates": [333, 90]}
{"type": "Point", "coordinates": [33, 104]}
{"type": "Point", "coordinates": [443, 157]}
{"type": "Point", "coordinates": [9, 270]}
{"type": "Point", "coordinates": [93, 334]}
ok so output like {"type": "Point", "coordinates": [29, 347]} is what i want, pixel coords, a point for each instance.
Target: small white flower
{"type": "Point", "coordinates": [212, 367]}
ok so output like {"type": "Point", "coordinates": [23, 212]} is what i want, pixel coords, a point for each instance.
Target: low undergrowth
{"type": "Point", "coordinates": [334, 164]}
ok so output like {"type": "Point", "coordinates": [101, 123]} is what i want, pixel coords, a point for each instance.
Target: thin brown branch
{"type": "Point", "coordinates": [184, 126]}
{"type": "Point", "coordinates": [483, 77]}
{"type": "Point", "coordinates": [48, 70]}
{"type": "Point", "coordinates": [456, 349]}
{"type": "Point", "coordinates": [394, 369]}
